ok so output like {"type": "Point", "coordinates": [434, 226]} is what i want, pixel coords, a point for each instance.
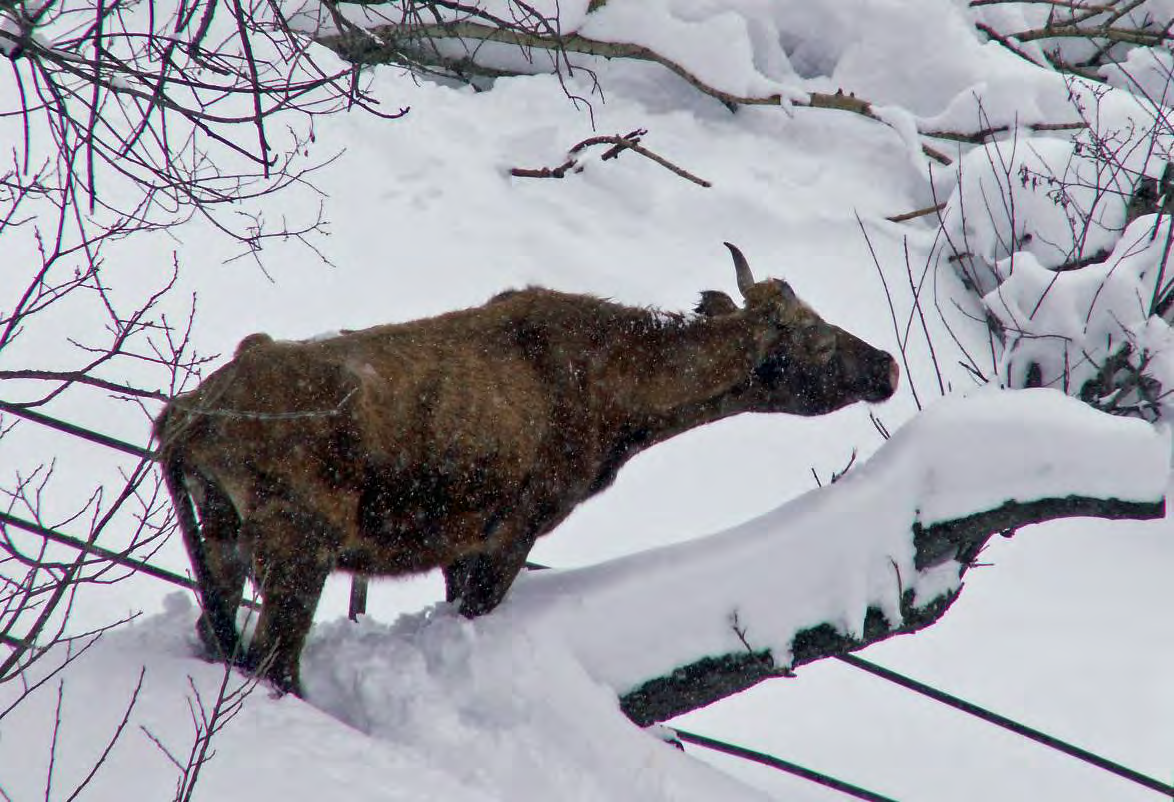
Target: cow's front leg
{"type": "Point", "coordinates": [480, 581]}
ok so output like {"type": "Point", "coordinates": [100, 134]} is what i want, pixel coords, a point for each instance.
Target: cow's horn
{"type": "Point", "coordinates": [742, 269]}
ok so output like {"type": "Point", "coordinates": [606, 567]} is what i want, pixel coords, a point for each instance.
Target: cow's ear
{"type": "Point", "coordinates": [715, 304]}
{"type": "Point", "coordinates": [776, 300]}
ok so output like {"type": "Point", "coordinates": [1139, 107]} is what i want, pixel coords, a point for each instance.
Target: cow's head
{"type": "Point", "coordinates": [810, 367]}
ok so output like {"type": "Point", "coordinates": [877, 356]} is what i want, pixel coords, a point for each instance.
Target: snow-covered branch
{"type": "Point", "coordinates": [1107, 25]}
{"type": "Point", "coordinates": [881, 552]}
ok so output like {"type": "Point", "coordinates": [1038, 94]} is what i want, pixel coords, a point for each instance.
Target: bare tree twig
{"type": "Point", "coordinates": [134, 698]}
{"type": "Point", "coordinates": [928, 210]}
{"type": "Point", "coordinates": [629, 141]}
{"type": "Point", "coordinates": [981, 136]}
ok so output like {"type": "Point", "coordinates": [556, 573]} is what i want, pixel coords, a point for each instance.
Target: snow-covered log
{"type": "Point", "coordinates": [881, 552]}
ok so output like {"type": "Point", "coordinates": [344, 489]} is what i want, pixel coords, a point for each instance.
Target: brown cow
{"type": "Point", "coordinates": [456, 441]}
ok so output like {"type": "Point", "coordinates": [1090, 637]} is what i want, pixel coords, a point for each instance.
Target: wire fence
{"type": "Point", "coordinates": [1037, 736]}
{"type": "Point", "coordinates": [764, 759]}
{"type": "Point", "coordinates": [76, 431]}
{"type": "Point", "coordinates": [1008, 724]}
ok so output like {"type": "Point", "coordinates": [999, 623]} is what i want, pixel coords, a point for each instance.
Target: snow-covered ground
{"type": "Point", "coordinates": [1069, 630]}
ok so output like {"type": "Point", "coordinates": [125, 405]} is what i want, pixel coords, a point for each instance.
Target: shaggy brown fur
{"type": "Point", "coordinates": [456, 441]}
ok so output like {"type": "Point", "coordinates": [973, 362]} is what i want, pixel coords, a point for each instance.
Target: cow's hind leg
{"type": "Point", "coordinates": [219, 569]}
{"type": "Point", "coordinates": [293, 553]}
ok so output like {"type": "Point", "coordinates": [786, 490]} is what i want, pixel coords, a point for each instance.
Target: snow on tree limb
{"type": "Point", "coordinates": [880, 553]}
{"type": "Point", "coordinates": [711, 679]}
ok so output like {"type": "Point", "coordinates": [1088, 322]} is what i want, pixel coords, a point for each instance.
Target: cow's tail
{"type": "Point", "coordinates": [217, 626]}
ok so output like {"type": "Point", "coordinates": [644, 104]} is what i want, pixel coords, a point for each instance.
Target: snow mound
{"type": "Point", "coordinates": [433, 707]}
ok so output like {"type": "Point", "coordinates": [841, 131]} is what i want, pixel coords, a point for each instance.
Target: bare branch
{"type": "Point", "coordinates": [130, 706]}
{"type": "Point", "coordinates": [629, 141]}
